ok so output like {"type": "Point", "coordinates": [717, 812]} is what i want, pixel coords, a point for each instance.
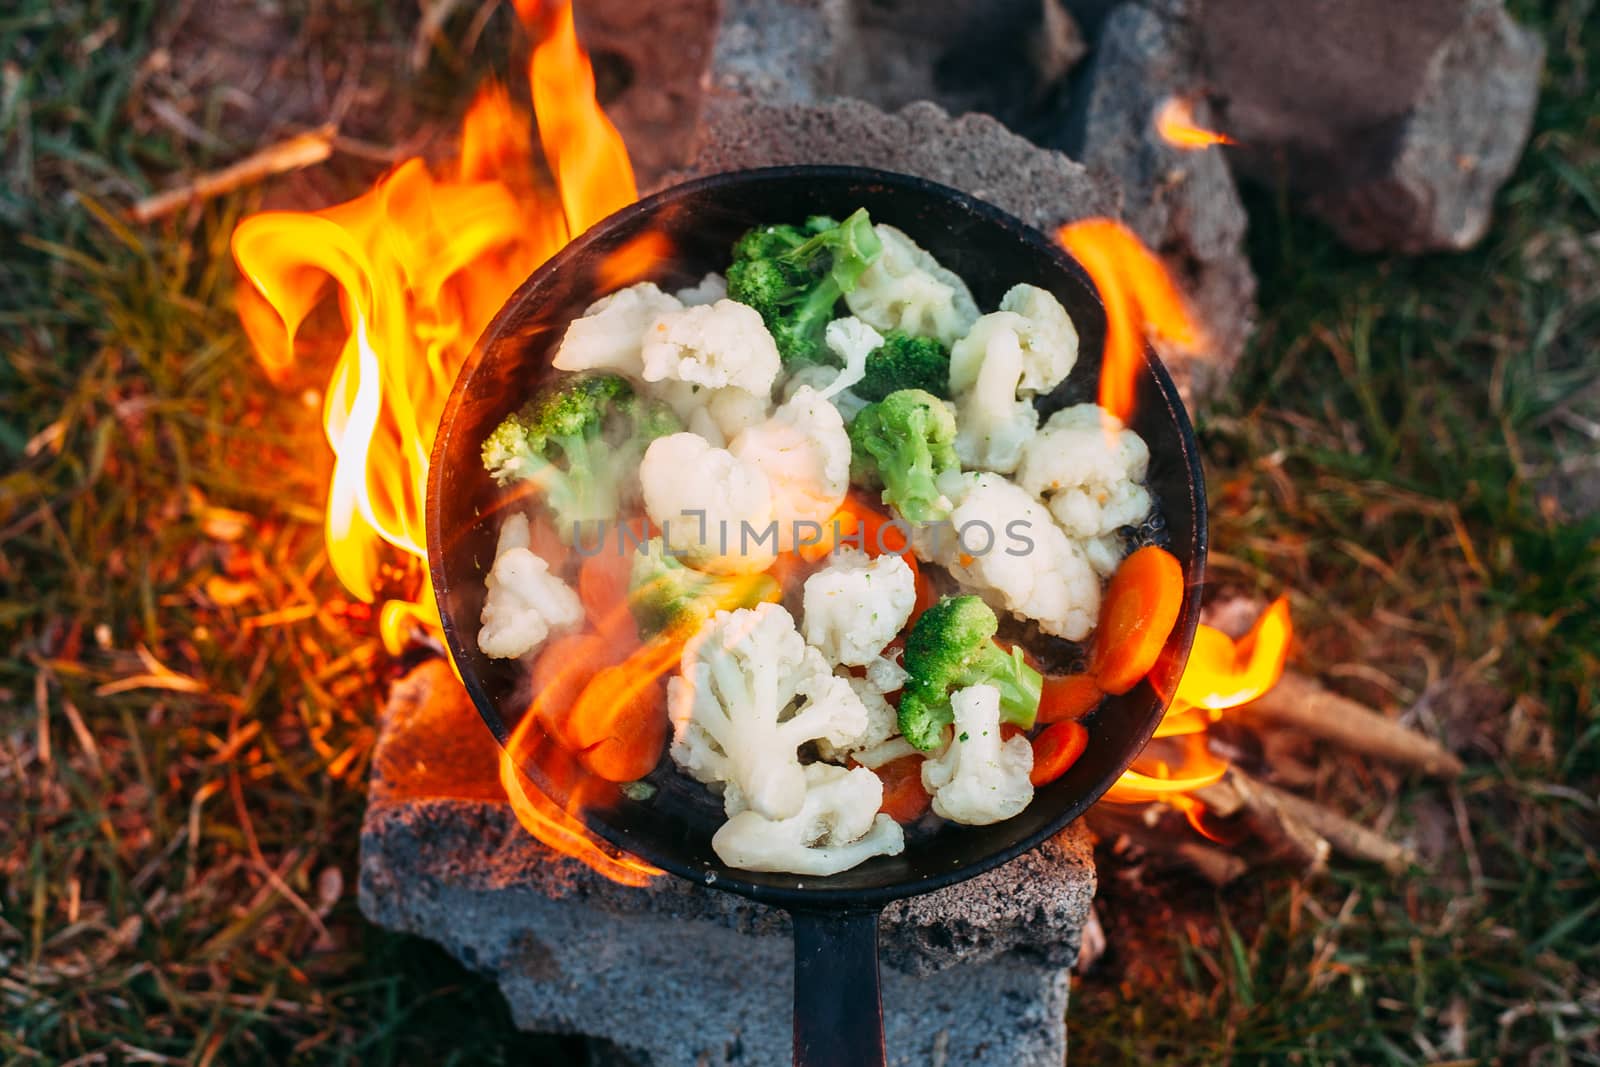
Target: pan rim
{"type": "Point", "coordinates": [803, 895]}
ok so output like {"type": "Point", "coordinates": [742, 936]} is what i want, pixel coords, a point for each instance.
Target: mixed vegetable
{"type": "Point", "coordinates": [815, 498]}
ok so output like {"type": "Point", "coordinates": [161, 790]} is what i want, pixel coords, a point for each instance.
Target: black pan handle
{"type": "Point", "coordinates": [838, 1014]}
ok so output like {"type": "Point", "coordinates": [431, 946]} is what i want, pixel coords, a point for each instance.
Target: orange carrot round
{"type": "Point", "coordinates": [904, 799]}
{"type": "Point", "coordinates": [1056, 749]}
{"type": "Point", "coordinates": [1138, 612]}
{"type": "Point", "coordinates": [564, 668]}
{"type": "Point", "coordinates": [1067, 697]}
{"type": "Point", "coordinates": [613, 717]}
{"type": "Point", "coordinates": [637, 731]}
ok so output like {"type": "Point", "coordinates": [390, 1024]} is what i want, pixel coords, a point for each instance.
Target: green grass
{"type": "Point", "coordinates": [1386, 456]}
{"type": "Point", "coordinates": [1390, 456]}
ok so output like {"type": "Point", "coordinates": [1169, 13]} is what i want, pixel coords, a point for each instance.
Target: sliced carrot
{"type": "Point", "coordinates": [878, 533]}
{"type": "Point", "coordinates": [545, 542]}
{"type": "Point", "coordinates": [603, 581]}
{"type": "Point", "coordinates": [1140, 608]}
{"type": "Point", "coordinates": [904, 799]}
{"type": "Point", "coordinates": [636, 731]}
{"type": "Point", "coordinates": [1056, 749]}
{"type": "Point", "coordinates": [1068, 697]}
{"type": "Point", "coordinates": [836, 529]}
{"type": "Point", "coordinates": [564, 667]}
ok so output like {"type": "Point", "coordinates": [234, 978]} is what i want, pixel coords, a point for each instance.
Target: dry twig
{"type": "Point", "coordinates": [1303, 704]}
{"type": "Point", "coordinates": [302, 150]}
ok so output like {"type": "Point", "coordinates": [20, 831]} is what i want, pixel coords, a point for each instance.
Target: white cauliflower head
{"type": "Point", "coordinates": [979, 779]}
{"type": "Point", "coordinates": [883, 723]}
{"type": "Point", "coordinates": [1002, 544]}
{"type": "Point", "coordinates": [712, 345]}
{"type": "Point", "coordinates": [852, 341]}
{"type": "Point", "coordinates": [718, 415]}
{"type": "Point", "coordinates": [1049, 340]}
{"type": "Point", "coordinates": [750, 693]}
{"type": "Point", "coordinates": [821, 377]}
{"type": "Point", "coordinates": [856, 605]}
{"type": "Point", "coordinates": [713, 507]}
{"type": "Point", "coordinates": [986, 369]}
{"type": "Point", "coordinates": [906, 289]}
{"type": "Point", "coordinates": [836, 827]}
{"type": "Point", "coordinates": [610, 335]}
{"type": "Point", "coordinates": [707, 290]}
{"type": "Point", "coordinates": [1090, 469]}
{"type": "Point", "coordinates": [525, 602]}
{"type": "Point", "coordinates": [804, 451]}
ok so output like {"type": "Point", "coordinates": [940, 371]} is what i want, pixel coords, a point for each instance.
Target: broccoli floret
{"type": "Point", "coordinates": [768, 242]}
{"type": "Point", "coordinates": [902, 444]}
{"type": "Point", "coordinates": [905, 362]}
{"type": "Point", "coordinates": [666, 594]}
{"type": "Point", "coordinates": [952, 647]}
{"type": "Point", "coordinates": [795, 286]}
{"type": "Point", "coordinates": [580, 440]}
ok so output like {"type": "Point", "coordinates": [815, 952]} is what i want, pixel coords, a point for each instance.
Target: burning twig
{"type": "Point", "coordinates": [297, 152]}
{"type": "Point", "coordinates": [1113, 822]}
{"type": "Point", "coordinates": [1301, 703]}
{"type": "Point", "coordinates": [1238, 792]}
{"type": "Point", "coordinates": [1276, 823]}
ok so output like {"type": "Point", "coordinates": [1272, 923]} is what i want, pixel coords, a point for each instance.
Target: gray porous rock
{"type": "Point", "coordinates": [650, 62]}
{"type": "Point", "coordinates": [973, 153]}
{"type": "Point", "coordinates": [706, 974]}
{"type": "Point", "coordinates": [1181, 202]}
{"type": "Point", "coordinates": [1395, 123]}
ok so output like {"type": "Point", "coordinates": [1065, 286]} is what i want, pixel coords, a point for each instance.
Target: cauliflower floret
{"type": "Point", "coordinates": [1089, 468]}
{"type": "Point", "coordinates": [1104, 553]}
{"type": "Point", "coordinates": [852, 341]}
{"type": "Point", "coordinates": [718, 415]}
{"type": "Point", "coordinates": [883, 723]}
{"type": "Point", "coordinates": [906, 289]}
{"type": "Point", "coordinates": [713, 507]}
{"type": "Point", "coordinates": [1049, 340]}
{"type": "Point", "coordinates": [751, 692]}
{"type": "Point", "coordinates": [707, 290]}
{"type": "Point", "coordinates": [886, 674]}
{"type": "Point", "coordinates": [713, 345]}
{"type": "Point", "coordinates": [610, 334]}
{"type": "Point", "coordinates": [986, 369]}
{"type": "Point", "coordinates": [821, 377]}
{"type": "Point", "coordinates": [979, 779]}
{"type": "Point", "coordinates": [525, 602]}
{"type": "Point", "coordinates": [836, 827]}
{"type": "Point", "coordinates": [1002, 544]}
{"type": "Point", "coordinates": [804, 451]}
{"type": "Point", "coordinates": [856, 605]}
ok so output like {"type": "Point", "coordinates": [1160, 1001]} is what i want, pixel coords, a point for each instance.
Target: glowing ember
{"type": "Point", "coordinates": [419, 265]}
{"type": "Point", "coordinates": [1175, 123]}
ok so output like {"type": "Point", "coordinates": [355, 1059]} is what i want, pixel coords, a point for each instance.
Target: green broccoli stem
{"type": "Point", "coordinates": [1020, 685]}
{"type": "Point", "coordinates": [585, 493]}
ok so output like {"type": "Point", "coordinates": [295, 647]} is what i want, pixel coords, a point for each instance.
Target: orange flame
{"type": "Point", "coordinates": [1140, 300]}
{"type": "Point", "coordinates": [1221, 673]}
{"type": "Point", "coordinates": [552, 823]}
{"type": "Point", "coordinates": [419, 264]}
{"type": "Point", "coordinates": [1175, 124]}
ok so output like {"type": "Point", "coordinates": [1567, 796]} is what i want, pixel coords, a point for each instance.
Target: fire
{"type": "Point", "coordinates": [1222, 673]}
{"type": "Point", "coordinates": [1140, 299]}
{"type": "Point", "coordinates": [1175, 123]}
{"type": "Point", "coordinates": [418, 265]}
